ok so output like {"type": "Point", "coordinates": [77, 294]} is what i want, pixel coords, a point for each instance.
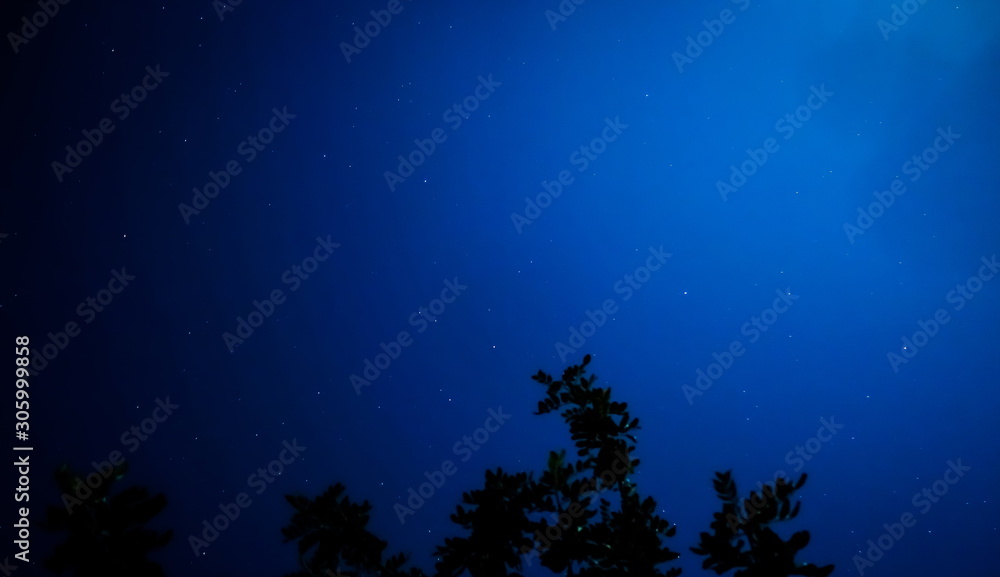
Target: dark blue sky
{"type": "Point", "coordinates": [475, 191]}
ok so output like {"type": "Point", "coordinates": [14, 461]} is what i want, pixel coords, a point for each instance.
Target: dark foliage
{"type": "Point", "coordinates": [107, 537]}
{"type": "Point", "coordinates": [584, 518]}
{"type": "Point", "coordinates": [737, 526]}
{"type": "Point", "coordinates": [331, 534]}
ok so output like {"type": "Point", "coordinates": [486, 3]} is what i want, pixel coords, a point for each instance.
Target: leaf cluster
{"type": "Point", "coordinates": [742, 538]}
{"type": "Point", "coordinates": [580, 518]}
{"type": "Point", "coordinates": [107, 536]}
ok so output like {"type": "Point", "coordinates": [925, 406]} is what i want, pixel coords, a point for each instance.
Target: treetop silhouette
{"type": "Point", "coordinates": [583, 518]}
{"type": "Point", "coordinates": [107, 536]}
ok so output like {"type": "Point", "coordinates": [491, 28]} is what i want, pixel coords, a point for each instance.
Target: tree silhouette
{"type": "Point", "coordinates": [768, 554]}
{"type": "Point", "coordinates": [584, 518]}
{"type": "Point", "coordinates": [107, 537]}
{"type": "Point", "coordinates": [335, 527]}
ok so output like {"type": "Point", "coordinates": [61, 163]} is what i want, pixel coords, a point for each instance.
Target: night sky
{"type": "Point", "coordinates": [253, 236]}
